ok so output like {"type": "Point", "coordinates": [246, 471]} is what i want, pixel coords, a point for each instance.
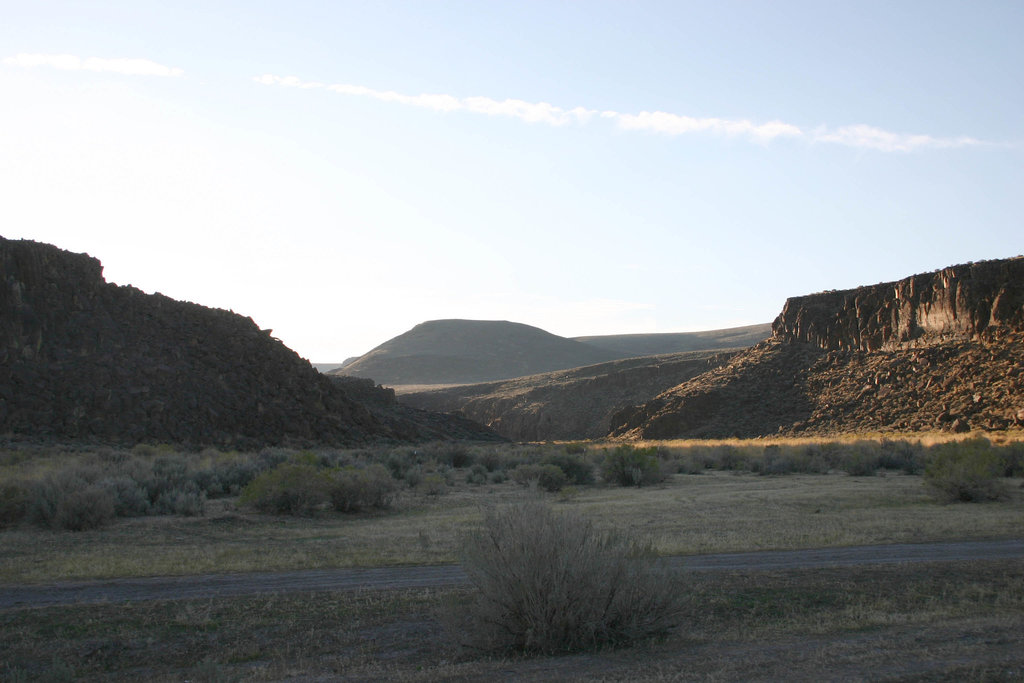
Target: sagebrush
{"type": "Point", "coordinates": [552, 582]}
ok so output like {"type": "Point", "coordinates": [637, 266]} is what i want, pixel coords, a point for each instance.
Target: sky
{"type": "Point", "coordinates": [342, 171]}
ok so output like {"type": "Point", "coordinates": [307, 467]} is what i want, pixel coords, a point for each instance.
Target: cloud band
{"type": "Point", "coordinates": [858, 136]}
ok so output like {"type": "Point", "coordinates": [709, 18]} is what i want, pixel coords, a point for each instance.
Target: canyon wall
{"type": "Point", "coordinates": [83, 359]}
{"type": "Point", "coordinates": [963, 302]}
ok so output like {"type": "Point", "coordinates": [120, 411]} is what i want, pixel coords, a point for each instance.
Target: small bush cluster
{"type": "Point", "coordinates": [550, 583]}
{"type": "Point", "coordinates": [628, 465]}
{"type": "Point", "coordinates": [301, 488]}
{"type": "Point", "coordinates": [548, 477]}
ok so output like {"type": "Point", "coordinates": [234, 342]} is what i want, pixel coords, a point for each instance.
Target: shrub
{"type": "Point", "coordinates": [631, 466]}
{"type": "Point", "coordinates": [83, 509]}
{"type": "Point", "coordinates": [187, 501]}
{"type": "Point", "coordinates": [354, 489]}
{"type": "Point", "coordinates": [548, 477]}
{"type": "Point", "coordinates": [129, 498]}
{"type": "Point", "coordinates": [576, 468]}
{"type": "Point", "coordinates": [860, 459]}
{"type": "Point", "coordinates": [432, 484]}
{"type": "Point", "coordinates": [549, 582]}
{"type": "Point", "coordinates": [289, 488]}
{"type": "Point", "coordinates": [477, 475]}
{"type": "Point", "coordinates": [14, 497]}
{"type": "Point", "coordinates": [900, 455]}
{"type": "Point", "coordinates": [967, 471]}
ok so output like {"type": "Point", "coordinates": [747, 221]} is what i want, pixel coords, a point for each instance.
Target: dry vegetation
{"type": "Point", "coordinates": [417, 505]}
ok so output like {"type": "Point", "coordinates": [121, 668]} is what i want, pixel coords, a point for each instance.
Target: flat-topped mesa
{"type": "Point", "coordinates": [969, 301]}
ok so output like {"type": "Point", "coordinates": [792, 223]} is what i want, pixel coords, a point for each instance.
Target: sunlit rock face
{"type": "Point", "coordinates": [937, 351]}
{"type": "Point", "coordinates": [956, 303]}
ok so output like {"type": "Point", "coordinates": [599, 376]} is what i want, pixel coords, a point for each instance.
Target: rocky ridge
{"type": "Point", "coordinates": [938, 351]}
{"type": "Point", "coordinates": [82, 359]}
{"type": "Point", "coordinates": [567, 404]}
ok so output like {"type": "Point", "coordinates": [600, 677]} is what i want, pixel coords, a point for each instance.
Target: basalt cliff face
{"type": "Point", "coordinates": [938, 351]}
{"type": "Point", "coordinates": [82, 359]}
{"type": "Point", "coordinates": [968, 302]}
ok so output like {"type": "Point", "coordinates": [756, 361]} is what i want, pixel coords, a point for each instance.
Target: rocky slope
{"type": "Point", "coordinates": [942, 350]}
{"type": "Point", "coordinates": [467, 351]}
{"type": "Point", "coordinates": [568, 404]}
{"type": "Point", "coordinates": [81, 359]}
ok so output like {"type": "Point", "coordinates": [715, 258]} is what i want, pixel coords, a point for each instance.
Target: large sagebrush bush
{"type": "Point", "coordinates": [354, 489]}
{"type": "Point", "coordinates": [552, 582]}
{"type": "Point", "coordinates": [548, 477]}
{"type": "Point", "coordinates": [631, 466]}
{"type": "Point", "coordinates": [966, 471]}
{"type": "Point", "coordinates": [290, 488]}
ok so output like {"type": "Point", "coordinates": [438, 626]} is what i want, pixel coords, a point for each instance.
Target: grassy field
{"type": "Point", "coordinates": [686, 514]}
{"type": "Point", "coordinates": [959, 621]}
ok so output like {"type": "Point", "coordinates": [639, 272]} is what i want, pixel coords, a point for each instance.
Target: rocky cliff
{"type": "Point", "coordinates": [971, 301]}
{"type": "Point", "coordinates": [938, 351]}
{"type": "Point", "coordinates": [86, 360]}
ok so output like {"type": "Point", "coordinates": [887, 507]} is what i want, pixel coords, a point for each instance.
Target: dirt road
{"type": "Point", "coordinates": [217, 585]}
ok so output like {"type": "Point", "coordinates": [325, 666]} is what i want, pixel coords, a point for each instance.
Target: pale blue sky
{"type": "Point", "coordinates": [341, 171]}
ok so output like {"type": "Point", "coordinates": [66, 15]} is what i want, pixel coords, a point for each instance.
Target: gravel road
{"type": "Point", "coordinates": [220, 585]}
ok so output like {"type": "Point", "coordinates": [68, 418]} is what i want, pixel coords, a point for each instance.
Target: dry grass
{"type": "Point", "coordinates": [962, 621]}
{"type": "Point", "coordinates": [713, 512]}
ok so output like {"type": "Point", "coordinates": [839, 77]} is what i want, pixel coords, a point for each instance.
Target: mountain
{"type": "Point", "coordinates": [566, 404]}
{"type": "Point", "coordinates": [630, 345]}
{"type": "Point", "coordinates": [468, 351]}
{"type": "Point", "coordinates": [85, 360]}
{"type": "Point", "coordinates": [941, 350]}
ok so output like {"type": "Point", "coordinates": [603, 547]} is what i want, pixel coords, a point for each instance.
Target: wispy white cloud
{"type": "Point", "coordinates": [120, 65]}
{"type": "Point", "coordinates": [674, 124]}
{"type": "Point", "coordinates": [874, 138]}
{"type": "Point", "coordinates": [664, 123]}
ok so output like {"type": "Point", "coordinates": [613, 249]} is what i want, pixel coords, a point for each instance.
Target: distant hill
{"type": "Point", "coordinates": [447, 352]}
{"type": "Point", "coordinates": [629, 345]}
{"type": "Point", "coordinates": [936, 351]}
{"type": "Point", "coordinates": [469, 351]}
{"type": "Point", "coordinates": [567, 404]}
{"type": "Point", "coordinates": [85, 360]}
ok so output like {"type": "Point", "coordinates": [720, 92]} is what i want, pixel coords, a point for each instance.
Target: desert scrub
{"type": "Point", "coordinates": [14, 500]}
{"type": "Point", "coordinates": [631, 466]}
{"type": "Point", "coordinates": [551, 582]}
{"type": "Point", "coordinates": [578, 470]}
{"type": "Point", "coordinates": [302, 488]}
{"type": "Point", "coordinates": [291, 488]}
{"type": "Point", "coordinates": [354, 489]}
{"type": "Point", "coordinates": [966, 471]}
{"type": "Point", "coordinates": [548, 477]}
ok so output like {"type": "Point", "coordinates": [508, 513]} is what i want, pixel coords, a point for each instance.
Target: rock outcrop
{"type": "Point", "coordinates": [81, 359]}
{"type": "Point", "coordinates": [939, 351]}
{"type": "Point", "coordinates": [971, 301]}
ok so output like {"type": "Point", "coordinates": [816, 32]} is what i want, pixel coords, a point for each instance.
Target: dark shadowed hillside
{"type": "Point", "coordinates": [82, 359]}
{"type": "Point", "coordinates": [568, 404]}
{"type": "Point", "coordinates": [630, 345]}
{"type": "Point", "coordinates": [942, 350]}
{"type": "Point", "coordinates": [467, 351]}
